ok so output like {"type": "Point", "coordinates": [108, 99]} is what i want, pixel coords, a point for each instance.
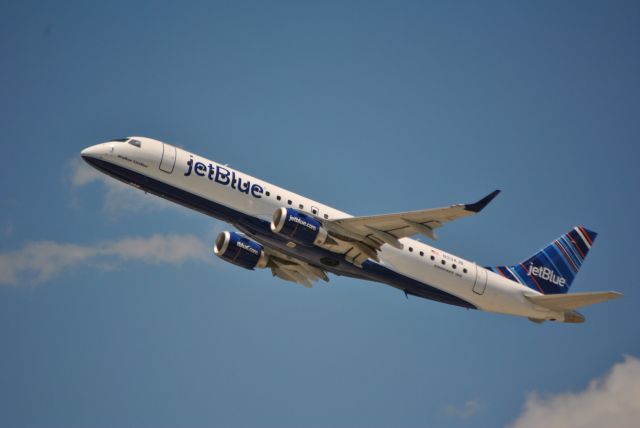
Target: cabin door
{"type": "Point", "coordinates": [168, 161]}
{"type": "Point", "coordinates": [481, 280]}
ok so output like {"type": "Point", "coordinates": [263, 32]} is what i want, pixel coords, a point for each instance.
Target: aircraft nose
{"type": "Point", "coordinates": [92, 152]}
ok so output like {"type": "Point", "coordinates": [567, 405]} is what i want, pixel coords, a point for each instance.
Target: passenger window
{"type": "Point", "coordinates": [411, 249]}
{"type": "Point", "coordinates": [267, 193]}
{"type": "Point", "coordinates": [453, 266]}
{"type": "Point", "coordinates": [433, 258]}
{"type": "Point", "coordinates": [289, 202]}
{"type": "Point", "coordinates": [443, 262]}
{"type": "Point", "coordinates": [326, 216]}
{"type": "Point", "coordinates": [421, 253]}
{"type": "Point", "coordinates": [278, 197]}
{"type": "Point", "coordinates": [301, 206]}
{"type": "Point", "coordinates": [464, 270]}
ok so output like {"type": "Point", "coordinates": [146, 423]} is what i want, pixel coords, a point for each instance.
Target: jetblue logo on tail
{"type": "Point", "coordinates": [546, 274]}
{"type": "Point", "coordinates": [552, 269]}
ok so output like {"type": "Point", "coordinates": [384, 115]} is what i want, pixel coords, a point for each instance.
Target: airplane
{"type": "Point", "coordinates": [303, 241]}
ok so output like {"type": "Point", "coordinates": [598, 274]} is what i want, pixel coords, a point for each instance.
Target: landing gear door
{"type": "Point", "coordinates": [481, 280]}
{"type": "Point", "coordinates": [168, 161]}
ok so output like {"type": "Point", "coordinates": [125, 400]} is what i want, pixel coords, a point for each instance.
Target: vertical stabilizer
{"type": "Point", "coordinates": [553, 269]}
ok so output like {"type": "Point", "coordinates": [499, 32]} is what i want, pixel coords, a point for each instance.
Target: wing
{"type": "Point", "coordinates": [292, 269]}
{"type": "Point", "coordinates": [369, 233]}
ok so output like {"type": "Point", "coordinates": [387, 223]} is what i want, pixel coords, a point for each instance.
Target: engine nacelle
{"type": "Point", "coordinates": [236, 248]}
{"type": "Point", "coordinates": [298, 226]}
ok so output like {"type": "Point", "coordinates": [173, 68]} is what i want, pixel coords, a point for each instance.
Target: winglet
{"type": "Point", "coordinates": [476, 207]}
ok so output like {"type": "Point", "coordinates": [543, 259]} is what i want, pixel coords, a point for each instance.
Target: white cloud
{"type": "Point", "coordinates": [82, 174]}
{"type": "Point", "coordinates": [40, 261]}
{"type": "Point", "coordinates": [119, 197]}
{"type": "Point", "coordinates": [612, 401]}
{"type": "Point", "coordinates": [466, 410]}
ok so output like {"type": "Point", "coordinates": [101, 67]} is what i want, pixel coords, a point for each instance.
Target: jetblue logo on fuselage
{"type": "Point", "coordinates": [546, 274]}
{"type": "Point", "coordinates": [224, 177]}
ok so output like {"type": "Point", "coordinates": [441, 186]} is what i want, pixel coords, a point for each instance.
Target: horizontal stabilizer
{"type": "Point", "coordinates": [563, 302]}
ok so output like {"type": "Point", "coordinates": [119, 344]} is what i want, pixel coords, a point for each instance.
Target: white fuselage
{"type": "Point", "coordinates": [252, 198]}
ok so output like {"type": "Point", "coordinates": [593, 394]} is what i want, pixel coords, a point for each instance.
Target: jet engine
{"type": "Point", "coordinates": [236, 248]}
{"type": "Point", "coordinates": [298, 226]}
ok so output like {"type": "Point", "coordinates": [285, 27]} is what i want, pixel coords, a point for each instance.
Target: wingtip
{"type": "Point", "coordinates": [476, 207]}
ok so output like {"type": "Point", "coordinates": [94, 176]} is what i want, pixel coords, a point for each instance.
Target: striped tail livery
{"type": "Point", "coordinates": [552, 269]}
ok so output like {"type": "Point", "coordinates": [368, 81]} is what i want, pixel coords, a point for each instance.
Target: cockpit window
{"type": "Point", "coordinates": [120, 140]}
{"type": "Point", "coordinates": [135, 143]}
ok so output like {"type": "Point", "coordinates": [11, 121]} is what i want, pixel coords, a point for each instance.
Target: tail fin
{"type": "Point", "coordinates": [552, 269]}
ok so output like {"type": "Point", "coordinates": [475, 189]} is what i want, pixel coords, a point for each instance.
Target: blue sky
{"type": "Point", "coordinates": [113, 310]}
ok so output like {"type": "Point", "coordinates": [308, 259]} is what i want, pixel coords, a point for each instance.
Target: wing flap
{"type": "Point", "coordinates": [564, 302]}
{"type": "Point", "coordinates": [294, 270]}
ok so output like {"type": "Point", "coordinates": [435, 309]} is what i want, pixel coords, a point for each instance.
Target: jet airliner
{"type": "Point", "coordinates": [303, 241]}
